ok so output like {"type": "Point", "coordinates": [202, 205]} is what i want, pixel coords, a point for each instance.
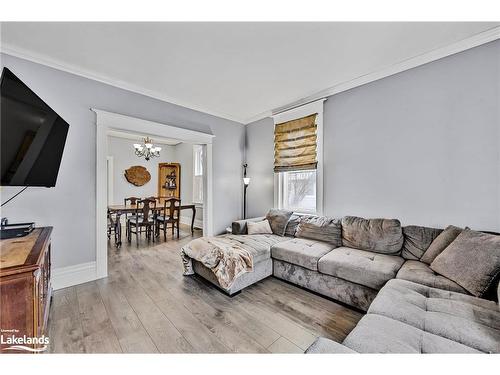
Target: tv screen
{"type": "Point", "coordinates": [32, 136]}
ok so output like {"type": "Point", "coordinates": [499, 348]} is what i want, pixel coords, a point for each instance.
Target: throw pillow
{"type": "Point", "coordinates": [278, 219]}
{"type": "Point", "coordinates": [383, 236]}
{"type": "Point", "coordinates": [417, 240]}
{"type": "Point", "coordinates": [472, 261]}
{"type": "Point", "coordinates": [440, 243]}
{"type": "Point", "coordinates": [259, 227]}
{"type": "Point", "coordinates": [320, 228]}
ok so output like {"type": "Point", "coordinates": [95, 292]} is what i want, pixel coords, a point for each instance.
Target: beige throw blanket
{"type": "Point", "coordinates": [223, 255]}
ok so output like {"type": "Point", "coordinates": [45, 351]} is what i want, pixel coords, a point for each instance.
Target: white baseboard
{"type": "Point", "coordinates": [187, 221]}
{"type": "Point", "coordinates": [64, 277]}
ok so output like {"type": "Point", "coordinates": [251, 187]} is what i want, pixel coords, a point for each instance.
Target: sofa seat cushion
{"type": "Point", "coordinates": [468, 320]}
{"type": "Point", "coordinates": [379, 334]}
{"type": "Point", "coordinates": [258, 245]}
{"type": "Point", "coordinates": [421, 273]}
{"type": "Point", "coordinates": [362, 267]}
{"type": "Point", "coordinates": [301, 252]}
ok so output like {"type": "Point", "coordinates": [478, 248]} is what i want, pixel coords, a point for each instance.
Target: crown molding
{"type": "Point", "coordinates": [413, 62]}
{"type": "Point", "coordinates": [72, 69]}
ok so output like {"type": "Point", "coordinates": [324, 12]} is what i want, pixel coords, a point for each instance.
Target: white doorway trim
{"type": "Point", "coordinates": [108, 121]}
{"type": "Point", "coordinates": [110, 171]}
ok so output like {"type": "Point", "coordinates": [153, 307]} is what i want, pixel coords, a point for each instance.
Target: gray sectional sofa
{"type": "Point", "coordinates": [375, 266]}
{"type": "Point", "coordinates": [407, 317]}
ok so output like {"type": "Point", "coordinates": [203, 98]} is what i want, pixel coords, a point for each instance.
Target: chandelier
{"type": "Point", "coordinates": [148, 150]}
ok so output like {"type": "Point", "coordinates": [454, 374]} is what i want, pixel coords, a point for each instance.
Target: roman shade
{"type": "Point", "coordinates": [295, 144]}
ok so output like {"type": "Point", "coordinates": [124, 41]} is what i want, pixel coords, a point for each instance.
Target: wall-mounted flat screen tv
{"type": "Point", "coordinates": [32, 136]}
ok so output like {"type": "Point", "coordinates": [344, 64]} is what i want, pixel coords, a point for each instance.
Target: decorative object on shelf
{"type": "Point", "coordinates": [246, 182]}
{"type": "Point", "coordinates": [169, 181]}
{"type": "Point", "coordinates": [137, 175]}
{"type": "Point", "coordinates": [148, 150]}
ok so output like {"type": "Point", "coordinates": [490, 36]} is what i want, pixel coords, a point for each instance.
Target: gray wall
{"type": "Point", "coordinates": [260, 159]}
{"type": "Point", "coordinates": [70, 206]}
{"type": "Point", "coordinates": [122, 151]}
{"type": "Point", "coordinates": [422, 146]}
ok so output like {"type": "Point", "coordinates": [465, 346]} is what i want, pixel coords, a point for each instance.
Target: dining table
{"type": "Point", "coordinates": [121, 209]}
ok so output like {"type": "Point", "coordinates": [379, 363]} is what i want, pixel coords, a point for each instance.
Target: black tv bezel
{"type": "Point", "coordinates": [6, 71]}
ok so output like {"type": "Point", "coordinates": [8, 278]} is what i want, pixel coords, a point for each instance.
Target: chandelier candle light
{"type": "Point", "coordinates": [148, 150]}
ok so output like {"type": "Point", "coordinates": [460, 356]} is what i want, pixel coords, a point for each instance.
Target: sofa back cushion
{"type": "Point", "coordinates": [417, 240]}
{"type": "Point", "coordinates": [472, 260]}
{"type": "Point", "coordinates": [292, 225]}
{"type": "Point", "coordinates": [383, 236]}
{"type": "Point", "coordinates": [278, 219]}
{"type": "Point", "coordinates": [320, 228]}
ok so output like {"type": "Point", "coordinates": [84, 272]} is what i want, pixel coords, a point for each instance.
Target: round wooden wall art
{"type": "Point", "coordinates": [137, 175]}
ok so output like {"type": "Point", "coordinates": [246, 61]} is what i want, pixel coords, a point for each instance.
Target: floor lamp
{"type": "Point", "coordinates": [246, 182]}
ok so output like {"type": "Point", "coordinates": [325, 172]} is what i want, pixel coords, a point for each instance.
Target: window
{"type": "Point", "coordinates": [198, 174]}
{"type": "Point", "coordinates": [299, 190]}
{"type": "Point", "coordinates": [298, 163]}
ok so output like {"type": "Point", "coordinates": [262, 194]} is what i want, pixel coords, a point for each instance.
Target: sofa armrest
{"type": "Point", "coordinates": [240, 226]}
{"type": "Point", "coordinates": [323, 345]}
{"type": "Point", "coordinates": [498, 293]}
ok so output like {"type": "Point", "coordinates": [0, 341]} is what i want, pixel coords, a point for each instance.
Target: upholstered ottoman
{"type": "Point", "coordinates": [261, 270]}
{"type": "Point", "coordinates": [259, 248]}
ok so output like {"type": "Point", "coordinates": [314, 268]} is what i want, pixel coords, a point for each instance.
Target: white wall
{"type": "Point", "coordinates": [184, 156]}
{"type": "Point", "coordinates": [422, 146]}
{"type": "Point", "coordinates": [70, 206]}
{"type": "Point", "coordinates": [122, 151]}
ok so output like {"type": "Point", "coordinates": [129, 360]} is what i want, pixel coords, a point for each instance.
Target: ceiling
{"type": "Point", "coordinates": [238, 71]}
{"type": "Point", "coordinates": [139, 138]}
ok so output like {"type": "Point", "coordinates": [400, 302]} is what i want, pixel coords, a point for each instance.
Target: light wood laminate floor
{"type": "Point", "coordinates": [147, 306]}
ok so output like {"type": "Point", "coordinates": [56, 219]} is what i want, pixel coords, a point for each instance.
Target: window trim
{"type": "Point", "coordinates": [195, 148]}
{"type": "Point", "coordinates": [295, 113]}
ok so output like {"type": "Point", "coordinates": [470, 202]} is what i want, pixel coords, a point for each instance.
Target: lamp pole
{"type": "Point", "coordinates": [246, 182]}
{"type": "Point", "coordinates": [245, 202]}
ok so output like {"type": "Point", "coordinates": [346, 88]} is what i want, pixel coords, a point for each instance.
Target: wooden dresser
{"type": "Point", "coordinates": [25, 289]}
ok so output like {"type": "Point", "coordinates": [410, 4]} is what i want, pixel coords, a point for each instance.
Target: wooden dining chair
{"type": "Point", "coordinates": [131, 201]}
{"type": "Point", "coordinates": [142, 218]}
{"type": "Point", "coordinates": [169, 215]}
{"type": "Point", "coordinates": [112, 226]}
